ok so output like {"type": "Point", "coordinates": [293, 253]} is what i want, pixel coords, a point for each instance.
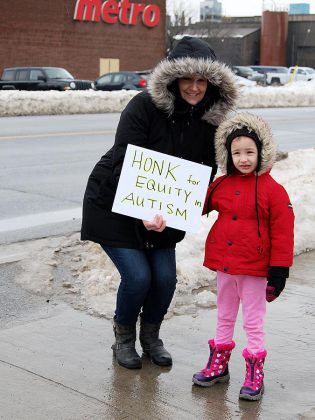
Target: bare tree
{"type": "Point", "coordinates": [180, 15]}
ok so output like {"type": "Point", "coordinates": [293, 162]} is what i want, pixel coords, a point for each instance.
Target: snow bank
{"type": "Point", "coordinates": [92, 280]}
{"type": "Point", "coordinates": [18, 103]}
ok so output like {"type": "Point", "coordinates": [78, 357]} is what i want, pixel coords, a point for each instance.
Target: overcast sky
{"type": "Point", "coordinates": [238, 7]}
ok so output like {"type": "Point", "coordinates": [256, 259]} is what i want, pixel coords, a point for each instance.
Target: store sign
{"type": "Point", "coordinates": [112, 11]}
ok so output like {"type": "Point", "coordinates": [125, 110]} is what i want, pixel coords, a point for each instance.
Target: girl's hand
{"type": "Point", "coordinates": [158, 224]}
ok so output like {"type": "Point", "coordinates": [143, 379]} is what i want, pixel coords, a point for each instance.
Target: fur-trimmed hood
{"type": "Point", "coordinates": [252, 123]}
{"type": "Point", "coordinates": [193, 57]}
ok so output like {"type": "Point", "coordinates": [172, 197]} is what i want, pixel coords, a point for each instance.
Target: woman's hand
{"type": "Point", "coordinates": [158, 224]}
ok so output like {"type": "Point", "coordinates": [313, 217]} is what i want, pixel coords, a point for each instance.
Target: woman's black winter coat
{"type": "Point", "coordinates": [164, 123]}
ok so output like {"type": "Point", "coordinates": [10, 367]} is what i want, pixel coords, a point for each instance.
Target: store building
{"type": "Point", "coordinates": [87, 37]}
{"type": "Point", "coordinates": [278, 39]}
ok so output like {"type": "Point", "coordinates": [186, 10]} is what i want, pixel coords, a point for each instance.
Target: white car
{"type": "Point", "coordinates": [274, 75]}
{"type": "Point", "coordinates": [242, 81]}
{"type": "Point", "coordinates": [302, 73]}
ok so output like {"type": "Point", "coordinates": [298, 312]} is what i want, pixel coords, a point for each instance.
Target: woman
{"type": "Point", "coordinates": [190, 93]}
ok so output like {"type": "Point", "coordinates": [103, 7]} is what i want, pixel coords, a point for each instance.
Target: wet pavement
{"type": "Point", "coordinates": [59, 366]}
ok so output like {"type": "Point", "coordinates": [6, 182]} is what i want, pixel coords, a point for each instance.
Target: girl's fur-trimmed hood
{"type": "Point", "coordinates": [252, 123]}
{"type": "Point", "coordinates": [217, 74]}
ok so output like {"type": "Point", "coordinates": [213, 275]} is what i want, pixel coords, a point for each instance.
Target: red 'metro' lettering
{"type": "Point", "coordinates": [112, 11]}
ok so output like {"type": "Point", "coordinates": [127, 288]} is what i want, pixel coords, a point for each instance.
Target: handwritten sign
{"type": "Point", "coordinates": [155, 183]}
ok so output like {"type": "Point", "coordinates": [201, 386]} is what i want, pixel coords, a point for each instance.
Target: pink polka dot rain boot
{"type": "Point", "coordinates": [217, 369]}
{"type": "Point", "coordinates": [253, 386]}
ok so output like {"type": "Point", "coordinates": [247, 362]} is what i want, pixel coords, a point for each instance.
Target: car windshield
{"type": "Point", "coordinates": [57, 73]}
{"type": "Point", "coordinates": [280, 70]}
{"type": "Point", "coordinates": [262, 69]}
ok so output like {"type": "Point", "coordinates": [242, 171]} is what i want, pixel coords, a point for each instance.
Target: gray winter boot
{"type": "Point", "coordinates": [124, 346]}
{"type": "Point", "coordinates": [152, 345]}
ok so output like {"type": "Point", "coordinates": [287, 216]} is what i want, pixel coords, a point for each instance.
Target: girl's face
{"type": "Point", "coordinates": [192, 89]}
{"type": "Point", "coordinates": [244, 154]}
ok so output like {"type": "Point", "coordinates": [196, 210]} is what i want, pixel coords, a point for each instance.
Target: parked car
{"type": "Point", "coordinates": [129, 80]}
{"type": "Point", "coordinates": [302, 73]}
{"type": "Point", "coordinates": [274, 75]}
{"type": "Point", "coordinates": [41, 78]}
{"type": "Point", "coordinates": [242, 81]}
{"type": "Point", "coordinates": [248, 73]}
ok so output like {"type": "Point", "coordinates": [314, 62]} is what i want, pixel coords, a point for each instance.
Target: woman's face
{"type": "Point", "coordinates": [192, 89]}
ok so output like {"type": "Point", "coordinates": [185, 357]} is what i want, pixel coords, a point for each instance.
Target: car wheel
{"type": "Point", "coordinates": [275, 81]}
{"type": "Point", "coordinates": [8, 87]}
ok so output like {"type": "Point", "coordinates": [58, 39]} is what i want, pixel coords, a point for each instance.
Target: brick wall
{"type": "Point", "coordinates": [43, 33]}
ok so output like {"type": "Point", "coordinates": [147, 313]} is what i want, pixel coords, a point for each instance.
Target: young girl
{"type": "Point", "coordinates": [250, 246]}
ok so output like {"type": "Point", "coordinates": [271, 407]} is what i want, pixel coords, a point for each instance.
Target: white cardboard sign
{"type": "Point", "coordinates": [155, 183]}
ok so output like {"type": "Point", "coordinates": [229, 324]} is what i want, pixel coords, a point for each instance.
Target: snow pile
{"type": "Point", "coordinates": [16, 103]}
{"type": "Point", "coordinates": [98, 279]}
{"type": "Point", "coordinates": [22, 103]}
{"type": "Point", "coordinates": [295, 94]}
{"type": "Point", "coordinates": [297, 175]}
{"type": "Point", "coordinates": [84, 276]}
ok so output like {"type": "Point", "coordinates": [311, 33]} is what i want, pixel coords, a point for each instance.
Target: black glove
{"type": "Point", "coordinates": [277, 277]}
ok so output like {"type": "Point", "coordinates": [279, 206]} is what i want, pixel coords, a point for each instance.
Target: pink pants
{"type": "Point", "coordinates": [251, 292]}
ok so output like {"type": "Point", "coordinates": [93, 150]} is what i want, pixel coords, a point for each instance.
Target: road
{"type": "Point", "coordinates": [45, 162]}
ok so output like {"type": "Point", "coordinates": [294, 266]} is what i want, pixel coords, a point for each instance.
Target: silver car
{"type": "Point", "coordinates": [249, 73]}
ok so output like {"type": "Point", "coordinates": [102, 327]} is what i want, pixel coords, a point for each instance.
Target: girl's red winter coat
{"type": "Point", "coordinates": [233, 244]}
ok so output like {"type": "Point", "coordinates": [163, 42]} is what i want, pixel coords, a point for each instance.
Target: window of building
{"type": "Point", "coordinates": [109, 65]}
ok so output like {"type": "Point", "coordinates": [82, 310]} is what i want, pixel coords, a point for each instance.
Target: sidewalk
{"type": "Point", "coordinates": [60, 366]}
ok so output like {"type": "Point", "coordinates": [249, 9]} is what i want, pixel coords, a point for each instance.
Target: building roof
{"type": "Point", "coordinates": [220, 32]}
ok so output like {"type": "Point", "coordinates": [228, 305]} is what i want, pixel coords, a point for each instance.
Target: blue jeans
{"type": "Point", "coordinates": [148, 282]}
